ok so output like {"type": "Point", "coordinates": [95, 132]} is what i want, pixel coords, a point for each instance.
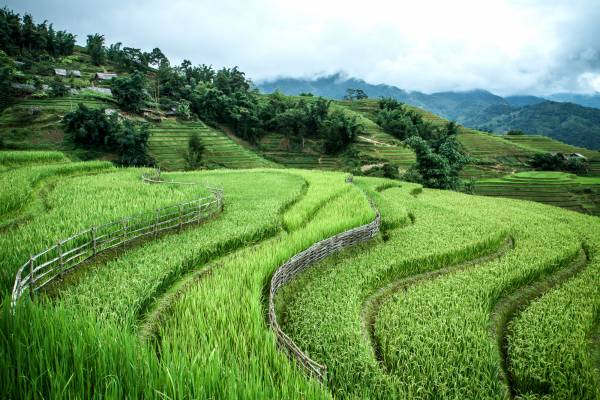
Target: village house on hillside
{"type": "Point", "coordinates": [571, 156]}
{"type": "Point", "coordinates": [104, 76]}
{"type": "Point", "coordinates": [66, 72]}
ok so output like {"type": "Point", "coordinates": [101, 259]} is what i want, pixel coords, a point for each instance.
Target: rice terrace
{"type": "Point", "coordinates": [171, 230]}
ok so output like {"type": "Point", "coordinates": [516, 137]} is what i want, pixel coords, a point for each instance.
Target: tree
{"type": "Point", "coordinates": [95, 48]}
{"type": "Point", "coordinates": [339, 130]}
{"type": "Point", "coordinates": [355, 94]}
{"type": "Point", "coordinates": [515, 132]}
{"type": "Point", "coordinates": [559, 162]}
{"type": "Point", "coordinates": [7, 76]}
{"type": "Point", "coordinates": [195, 150]}
{"type": "Point", "coordinates": [157, 58]}
{"type": "Point", "coordinates": [183, 110]}
{"type": "Point", "coordinates": [439, 159]}
{"type": "Point", "coordinates": [91, 127]}
{"type": "Point", "coordinates": [131, 142]}
{"type": "Point", "coordinates": [58, 87]}
{"type": "Point", "coordinates": [129, 92]}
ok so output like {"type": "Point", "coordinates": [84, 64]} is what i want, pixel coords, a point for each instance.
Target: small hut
{"type": "Point", "coordinates": [104, 76]}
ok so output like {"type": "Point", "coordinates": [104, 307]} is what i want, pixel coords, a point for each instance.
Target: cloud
{"type": "Point", "coordinates": [512, 46]}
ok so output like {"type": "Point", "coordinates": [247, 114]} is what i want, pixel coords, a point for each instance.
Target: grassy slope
{"type": "Point", "coordinates": [214, 342]}
{"type": "Point", "coordinates": [554, 188]}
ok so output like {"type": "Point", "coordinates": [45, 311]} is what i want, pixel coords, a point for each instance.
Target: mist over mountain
{"type": "Point", "coordinates": [572, 118]}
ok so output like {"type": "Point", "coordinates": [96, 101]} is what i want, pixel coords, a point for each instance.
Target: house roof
{"type": "Point", "coordinates": [105, 75]}
{"type": "Point", "coordinates": [60, 71]}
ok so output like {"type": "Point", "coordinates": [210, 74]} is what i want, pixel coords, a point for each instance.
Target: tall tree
{"type": "Point", "coordinates": [130, 92]}
{"type": "Point", "coordinates": [95, 48]}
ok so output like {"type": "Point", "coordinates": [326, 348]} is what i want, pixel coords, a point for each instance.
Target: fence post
{"type": "Point", "coordinates": [156, 222]}
{"type": "Point", "coordinates": [60, 254]}
{"type": "Point", "coordinates": [180, 217]}
{"type": "Point", "coordinates": [199, 211]}
{"type": "Point", "coordinates": [125, 225]}
{"type": "Point", "coordinates": [31, 280]}
{"type": "Point", "coordinates": [94, 241]}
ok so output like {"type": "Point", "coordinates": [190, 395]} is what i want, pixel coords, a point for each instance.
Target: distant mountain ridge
{"type": "Point", "coordinates": [572, 118]}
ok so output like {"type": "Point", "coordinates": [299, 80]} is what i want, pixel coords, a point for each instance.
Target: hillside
{"type": "Point", "coordinates": [561, 119]}
{"type": "Point", "coordinates": [452, 281]}
{"type": "Point", "coordinates": [567, 122]}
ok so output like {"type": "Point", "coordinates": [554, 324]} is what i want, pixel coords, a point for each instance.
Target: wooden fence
{"type": "Point", "coordinates": [68, 253]}
{"type": "Point", "coordinates": [299, 263]}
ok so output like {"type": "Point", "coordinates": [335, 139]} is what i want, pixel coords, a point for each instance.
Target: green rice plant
{"type": "Point", "coordinates": [324, 309]}
{"type": "Point", "coordinates": [21, 158]}
{"type": "Point", "coordinates": [318, 184]}
{"type": "Point", "coordinates": [104, 359]}
{"type": "Point", "coordinates": [51, 352]}
{"type": "Point", "coordinates": [434, 336]}
{"type": "Point", "coordinates": [220, 322]}
{"type": "Point", "coordinates": [80, 202]}
{"type": "Point", "coordinates": [123, 289]}
{"type": "Point", "coordinates": [549, 342]}
{"type": "Point", "coordinates": [20, 183]}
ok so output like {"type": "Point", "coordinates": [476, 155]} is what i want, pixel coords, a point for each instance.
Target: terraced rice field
{"type": "Point", "coordinates": [486, 149]}
{"type": "Point", "coordinates": [546, 144]}
{"type": "Point", "coordinates": [169, 142]}
{"type": "Point", "coordinates": [458, 296]}
{"type": "Point", "coordinates": [491, 149]}
{"type": "Point", "coordinates": [275, 147]}
{"type": "Point", "coordinates": [554, 188]}
{"type": "Point", "coordinates": [63, 105]}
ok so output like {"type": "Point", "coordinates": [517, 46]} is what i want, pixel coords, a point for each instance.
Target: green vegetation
{"type": "Point", "coordinates": [20, 36]}
{"type": "Point", "coordinates": [408, 314]}
{"type": "Point", "coordinates": [168, 144]}
{"type": "Point", "coordinates": [129, 92]}
{"type": "Point", "coordinates": [20, 183]}
{"type": "Point", "coordinates": [93, 128]}
{"type": "Point", "coordinates": [550, 341]}
{"type": "Point", "coordinates": [22, 158]}
{"type": "Point", "coordinates": [554, 188]}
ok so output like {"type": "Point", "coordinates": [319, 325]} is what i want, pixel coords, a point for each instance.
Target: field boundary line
{"type": "Point", "coordinates": [66, 254]}
{"type": "Point", "coordinates": [373, 303]}
{"type": "Point", "coordinates": [300, 262]}
{"type": "Point", "coordinates": [510, 305]}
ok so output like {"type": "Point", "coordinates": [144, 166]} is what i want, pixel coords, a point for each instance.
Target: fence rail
{"type": "Point", "coordinates": [298, 263]}
{"type": "Point", "coordinates": [68, 253]}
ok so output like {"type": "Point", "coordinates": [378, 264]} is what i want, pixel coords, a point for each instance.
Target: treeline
{"type": "Point", "coordinates": [96, 130]}
{"type": "Point", "coordinates": [227, 97]}
{"type": "Point", "coordinates": [22, 37]}
{"type": "Point", "coordinates": [439, 154]}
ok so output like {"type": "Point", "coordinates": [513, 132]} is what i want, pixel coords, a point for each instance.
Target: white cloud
{"type": "Point", "coordinates": [505, 46]}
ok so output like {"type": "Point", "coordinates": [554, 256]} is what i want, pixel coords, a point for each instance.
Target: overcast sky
{"type": "Point", "coordinates": [508, 47]}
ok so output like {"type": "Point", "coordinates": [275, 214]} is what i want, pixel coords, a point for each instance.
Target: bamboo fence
{"type": "Point", "coordinates": [44, 267]}
{"type": "Point", "coordinates": [298, 263]}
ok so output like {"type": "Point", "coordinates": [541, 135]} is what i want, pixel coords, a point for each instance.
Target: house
{"type": "Point", "coordinates": [570, 156]}
{"type": "Point", "coordinates": [104, 76]}
{"type": "Point", "coordinates": [66, 72]}
{"type": "Point", "coordinates": [576, 155]}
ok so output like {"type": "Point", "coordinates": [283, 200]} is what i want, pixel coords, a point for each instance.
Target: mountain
{"type": "Point", "coordinates": [332, 86]}
{"type": "Point", "coordinates": [521, 101]}
{"type": "Point", "coordinates": [586, 100]}
{"type": "Point", "coordinates": [567, 121]}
